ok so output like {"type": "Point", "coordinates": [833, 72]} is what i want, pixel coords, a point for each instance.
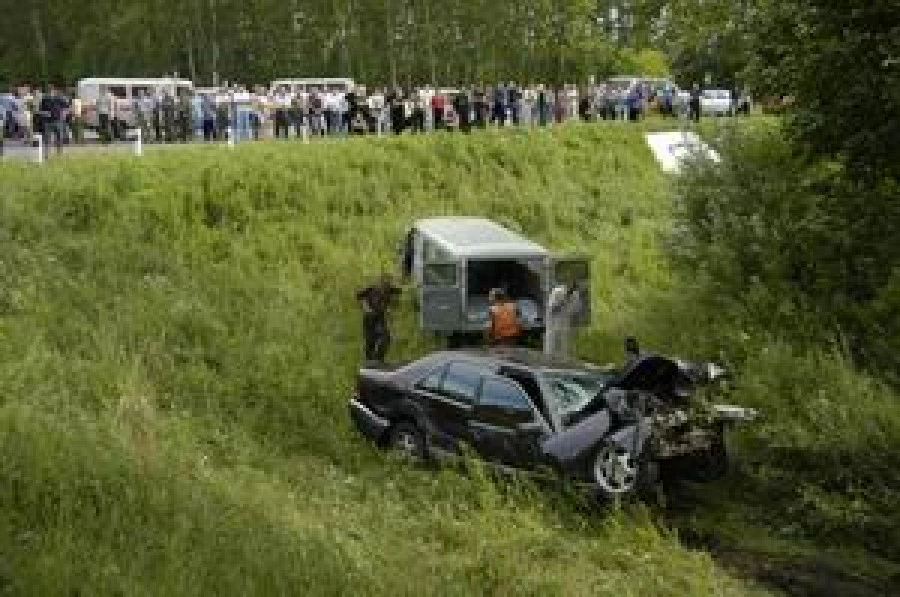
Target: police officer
{"type": "Point", "coordinates": [375, 301]}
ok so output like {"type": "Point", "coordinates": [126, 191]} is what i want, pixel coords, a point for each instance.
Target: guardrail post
{"type": "Point", "coordinates": [40, 147]}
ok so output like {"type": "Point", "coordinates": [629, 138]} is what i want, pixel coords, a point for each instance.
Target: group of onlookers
{"type": "Point", "coordinates": [214, 114]}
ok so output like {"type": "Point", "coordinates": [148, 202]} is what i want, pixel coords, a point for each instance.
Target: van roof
{"type": "Point", "coordinates": [128, 81]}
{"type": "Point", "coordinates": [478, 237]}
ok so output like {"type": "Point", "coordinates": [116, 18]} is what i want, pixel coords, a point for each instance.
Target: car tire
{"type": "Point", "coordinates": [407, 439]}
{"type": "Point", "coordinates": [619, 475]}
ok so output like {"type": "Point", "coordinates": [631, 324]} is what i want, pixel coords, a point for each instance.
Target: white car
{"type": "Point", "coordinates": [717, 102]}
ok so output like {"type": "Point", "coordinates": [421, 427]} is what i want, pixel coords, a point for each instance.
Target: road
{"type": "Point", "coordinates": [16, 150]}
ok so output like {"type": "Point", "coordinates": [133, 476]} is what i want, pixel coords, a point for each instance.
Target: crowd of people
{"type": "Point", "coordinates": [211, 115]}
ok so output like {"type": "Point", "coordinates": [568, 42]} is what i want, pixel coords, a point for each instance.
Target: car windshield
{"type": "Point", "coordinates": [571, 390]}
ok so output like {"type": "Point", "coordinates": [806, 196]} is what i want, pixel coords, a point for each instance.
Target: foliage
{"type": "Point", "coordinates": [841, 63]}
{"type": "Point", "coordinates": [800, 245]}
{"type": "Point", "coordinates": [705, 42]}
{"type": "Point", "coordinates": [377, 42]}
{"type": "Point", "coordinates": [180, 338]}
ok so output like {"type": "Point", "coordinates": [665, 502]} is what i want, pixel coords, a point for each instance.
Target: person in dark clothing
{"type": "Point", "coordinates": [632, 350]}
{"type": "Point", "coordinates": [53, 109]}
{"type": "Point", "coordinates": [499, 112]}
{"type": "Point", "coordinates": [513, 97]}
{"type": "Point", "coordinates": [482, 109]}
{"type": "Point", "coordinates": [584, 106]}
{"type": "Point", "coordinates": [695, 103]}
{"type": "Point", "coordinates": [398, 115]}
{"type": "Point", "coordinates": [461, 106]}
{"type": "Point", "coordinates": [376, 300]}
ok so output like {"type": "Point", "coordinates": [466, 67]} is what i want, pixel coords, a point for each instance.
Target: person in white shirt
{"type": "Point", "coordinates": [571, 101]}
{"type": "Point", "coordinates": [376, 109]}
{"type": "Point", "coordinates": [282, 106]}
{"type": "Point", "coordinates": [425, 95]}
{"type": "Point", "coordinates": [563, 304]}
{"type": "Point", "coordinates": [331, 102]}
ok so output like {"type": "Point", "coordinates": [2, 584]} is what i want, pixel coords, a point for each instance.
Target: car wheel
{"type": "Point", "coordinates": [406, 439]}
{"type": "Point", "coordinates": [616, 472]}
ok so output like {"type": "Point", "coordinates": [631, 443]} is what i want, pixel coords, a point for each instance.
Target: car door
{"type": "Point", "coordinates": [573, 270]}
{"type": "Point", "coordinates": [441, 296]}
{"type": "Point", "coordinates": [447, 395]}
{"type": "Point", "coordinates": [504, 424]}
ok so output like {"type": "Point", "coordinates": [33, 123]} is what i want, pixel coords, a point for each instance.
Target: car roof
{"type": "Point", "coordinates": [478, 237]}
{"type": "Point", "coordinates": [523, 357]}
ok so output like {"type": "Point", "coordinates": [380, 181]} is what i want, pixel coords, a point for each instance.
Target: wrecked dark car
{"type": "Point", "coordinates": [614, 429]}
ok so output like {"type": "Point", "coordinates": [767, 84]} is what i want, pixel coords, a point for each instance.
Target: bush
{"type": "Point", "coordinates": [793, 242]}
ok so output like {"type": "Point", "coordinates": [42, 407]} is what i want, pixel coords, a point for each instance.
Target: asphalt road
{"type": "Point", "coordinates": [16, 150]}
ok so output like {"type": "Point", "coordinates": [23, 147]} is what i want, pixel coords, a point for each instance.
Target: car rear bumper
{"type": "Point", "coordinates": [369, 424]}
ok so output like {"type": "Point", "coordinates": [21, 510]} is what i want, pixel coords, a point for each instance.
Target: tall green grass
{"type": "Point", "coordinates": [179, 338]}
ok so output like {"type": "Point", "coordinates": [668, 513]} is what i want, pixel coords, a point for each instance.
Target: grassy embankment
{"type": "Point", "coordinates": [179, 337]}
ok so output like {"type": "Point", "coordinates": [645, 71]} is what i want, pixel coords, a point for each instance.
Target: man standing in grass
{"type": "Point", "coordinates": [376, 300]}
{"type": "Point", "coordinates": [503, 323]}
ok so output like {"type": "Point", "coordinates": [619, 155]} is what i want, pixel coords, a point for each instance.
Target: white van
{"type": "Point", "coordinates": [125, 91]}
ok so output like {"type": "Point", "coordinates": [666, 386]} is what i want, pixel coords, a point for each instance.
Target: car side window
{"type": "Point", "coordinates": [432, 381]}
{"type": "Point", "coordinates": [503, 394]}
{"type": "Point", "coordinates": [461, 381]}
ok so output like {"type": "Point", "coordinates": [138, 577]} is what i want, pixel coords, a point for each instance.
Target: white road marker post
{"type": "Point", "coordinates": [304, 131]}
{"type": "Point", "coordinates": [138, 141]}
{"type": "Point", "coordinates": [229, 132]}
{"type": "Point", "coordinates": [40, 147]}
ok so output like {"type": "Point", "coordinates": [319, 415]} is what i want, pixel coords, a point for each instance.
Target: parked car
{"type": "Point", "coordinates": [454, 262]}
{"type": "Point", "coordinates": [717, 102]}
{"type": "Point", "coordinates": [617, 430]}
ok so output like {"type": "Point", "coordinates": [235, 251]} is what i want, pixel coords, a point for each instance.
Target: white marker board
{"type": "Point", "coordinates": [672, 148]}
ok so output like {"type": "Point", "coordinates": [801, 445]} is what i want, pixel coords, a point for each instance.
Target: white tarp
{"type": "Point", "coordinates": [672, 148]}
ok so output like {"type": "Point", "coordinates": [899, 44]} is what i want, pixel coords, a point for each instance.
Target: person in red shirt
{"type": "Point", "coordinates": [438, 102]}
{"type": "Point", "coordinates": [503, 328]}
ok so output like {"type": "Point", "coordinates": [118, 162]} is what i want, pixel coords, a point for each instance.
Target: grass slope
{"type": "Point", "coordinates": [179, 337]}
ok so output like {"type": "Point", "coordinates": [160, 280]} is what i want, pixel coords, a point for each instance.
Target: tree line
{"type": "Point", "coordinates": [375, 41]}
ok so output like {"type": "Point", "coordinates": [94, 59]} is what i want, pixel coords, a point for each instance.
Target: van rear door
{"type": "Point", "coordinates": [441, 296]}
{"type": "Point", "coordinates": [574, 270]}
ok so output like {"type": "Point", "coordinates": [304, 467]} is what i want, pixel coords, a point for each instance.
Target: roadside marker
{"type": "Point", "coordinates": [138, 141]}
{"type": "Point", "coordinates": [229, 132]}
{"type": "Point", "coordinates": [40, 147]}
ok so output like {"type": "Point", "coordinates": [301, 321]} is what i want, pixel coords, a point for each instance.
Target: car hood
{"type": "Point", "coordinates": [648, 373]}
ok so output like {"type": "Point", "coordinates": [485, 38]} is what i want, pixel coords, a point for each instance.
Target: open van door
{"type": "Point", "coordinates": [577, 270]}
{"type": "Point", "coordinates": [441, 296]}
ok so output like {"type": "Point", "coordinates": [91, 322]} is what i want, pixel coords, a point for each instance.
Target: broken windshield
{"type": "Point", "coordinates": [570, 391]}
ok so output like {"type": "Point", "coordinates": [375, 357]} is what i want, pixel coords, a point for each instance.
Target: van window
{"type": "Point", "coordinates": [119, 91]}
{"type": "Point", "coordinates": [439, 274]}
{"type": "Point", "coordinates": [432, 252]}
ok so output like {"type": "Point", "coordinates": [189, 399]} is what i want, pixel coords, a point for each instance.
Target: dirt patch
{"type": "Point", "coordinates": [797, 577]}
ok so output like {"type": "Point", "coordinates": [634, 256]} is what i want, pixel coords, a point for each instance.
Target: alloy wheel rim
{"type": "Point", "coordinates": [615, 470]}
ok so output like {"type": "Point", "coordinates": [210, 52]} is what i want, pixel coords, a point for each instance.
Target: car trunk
{"type": "Point", "coordinates": [521, 278]}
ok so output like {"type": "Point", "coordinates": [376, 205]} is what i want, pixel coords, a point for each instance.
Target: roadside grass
{"type": "Point", "coordinates": [179, 338]}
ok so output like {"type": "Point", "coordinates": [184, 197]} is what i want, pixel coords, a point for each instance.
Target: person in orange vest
{"type": "Point", "coordinates": [503, 328]}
